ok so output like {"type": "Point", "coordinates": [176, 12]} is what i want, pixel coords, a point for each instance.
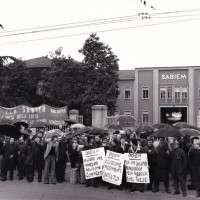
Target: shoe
{"type": "Point", "coordinates": [168, 191]}
{"type": "Point", "coordinates": [11, 179]}
{"type": "Point", "coordinates": [53, 183]}
{"type": "Point", "coordinates": [87, 185]}
{"type": "Point", "coordinates": [39, 181]}
{"type": "Point", "coordinates": [184, 195]}
{"type": "Point", "coordinates": [3, 179]}
{"type": "Point", "coordinates": [176, 192]}
{"type": "Point", "coordinates": [20, 178]}
{"type": "Point", "coordinates": [132, 190]}
{"type": "Point", "coordinates": [198, 195]}
{"type": "Point", "coordinates": [46, 182]}
{"type": "Point", "coordinates": [155, 190]}
{"type": "Point", "coordinates": [141, 190]}
{"type": "Point", "coordinates": [191, 187]}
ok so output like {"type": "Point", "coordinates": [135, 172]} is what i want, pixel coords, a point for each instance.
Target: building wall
{"type": "Point", "coordinates": [196, 93]}
{"type": "Point", "coordinates": [125, 104]}
{"type": "Point", "coordinates": [145, 78]}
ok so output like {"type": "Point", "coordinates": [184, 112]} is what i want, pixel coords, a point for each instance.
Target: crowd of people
{"type": "Point", "coordinates": [48, 156]}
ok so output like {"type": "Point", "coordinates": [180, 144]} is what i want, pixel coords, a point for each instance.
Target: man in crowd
{"type": "Point", "coordinates": [178, 168]}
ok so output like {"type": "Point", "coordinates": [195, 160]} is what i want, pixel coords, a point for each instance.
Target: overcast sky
{"type": "Point", "coordinates": [136, 41]}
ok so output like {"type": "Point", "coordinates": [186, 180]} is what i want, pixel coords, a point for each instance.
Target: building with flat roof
{"type": "Point", "coordinates": [167, 94]}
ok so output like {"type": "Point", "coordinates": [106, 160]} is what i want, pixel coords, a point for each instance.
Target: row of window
{"type": "Point", "coordinates": [168, 94]}
{"type": "Point", "coordinates": [145, 114]}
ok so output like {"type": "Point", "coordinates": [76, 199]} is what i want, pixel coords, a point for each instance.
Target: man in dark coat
{"type": "Point", "coordinates": [62, 159]}
{"type": "Point", "coordinates": [9, 159]}
{"type": "Point", "coordinates": [194, 159]}
{"type": "Point", "coordinates": [150, 150]}
{"type": "Point", "coordinates": [22, 152]}
{"type": "Point", "coordinates": [38, 155]}
{"type": "Point", "coordinates": [178, 168]}
{"type": "Point", "coordinates": [162, 166]}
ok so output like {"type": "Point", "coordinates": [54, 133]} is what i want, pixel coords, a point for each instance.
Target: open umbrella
{"type": "Point", "coordinates": [144, 127]}
{"type": "Point", "coordinates": [161, 125]}
{"type": "Point", "coordinates": [168, 132]}
{"type": "Point", "coordinates": [20, 123]}
{"type": "Point", "coordinates": [81, 131]}
{"type": "Point", "coordinates": [9, 130]}
{"type": "Point", "coordinates": [190, 132]}
{"type": "Point", "coordinates": [39, 125]}
{"type": "Point", "coordinates": [77, 126]}
{"type": "Point", "coordinates": [56, 132]}
{"type": "Point", "coordinates": [182, 125]}
{"type": "Point", "coordinates": [115, 127]}
{"type": "Point", "coordinates": [71, 121]}
{"type": "Point", "coordinates": [98, 131]}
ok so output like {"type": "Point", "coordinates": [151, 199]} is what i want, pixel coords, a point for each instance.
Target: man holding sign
{"type": "Point", "coordinates": [93, 159]}
{"type": "Point", "coordinates": [137, 168]}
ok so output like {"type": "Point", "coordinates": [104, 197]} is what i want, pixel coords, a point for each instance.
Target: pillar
{"type": "Point", "coordinates": [99, 116]}
{"type": "Point", "coordinates": [73, 114]}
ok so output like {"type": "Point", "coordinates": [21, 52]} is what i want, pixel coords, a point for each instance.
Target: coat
{"type": "Point", "coordinates": [9, 163]}
{"type": "Point", "coordinates": [178, 161]}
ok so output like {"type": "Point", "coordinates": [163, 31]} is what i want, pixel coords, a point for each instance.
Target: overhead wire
{"type": "Point", "coordinates": [104, 19]}
{"type": "Point", "coordinates": [98, 23]}
{"type": "Point", "coordinates": [102, 31]}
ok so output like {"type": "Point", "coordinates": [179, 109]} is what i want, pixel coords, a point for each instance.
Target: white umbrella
{"type": "Point", "coordinates": [77, 126]}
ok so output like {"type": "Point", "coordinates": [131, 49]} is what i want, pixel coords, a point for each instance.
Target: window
{"type": "Point", "coordinates": [177, 94]}
{"type": "Point", "coordinates": [145, 116]}
{"type": "Point", "coordinates": [39, 88]}
{"type": "Point", "coordinates": [145, 92]}
{"type": "Point", "coordinates": [184, 94]}
{"type": "Point", "coordinates": [169, 92]}
{"type": "Point", "coordinates": [162, 92]}
{"type": "Point", "coordinates": [127, 93]}
{"type": "Point", "coordinates": [127, 112]}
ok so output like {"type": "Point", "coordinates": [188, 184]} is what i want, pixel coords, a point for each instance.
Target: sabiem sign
{"type": "Point", "coordinates": [173, 76]}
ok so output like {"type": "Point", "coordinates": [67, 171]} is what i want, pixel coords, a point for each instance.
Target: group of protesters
{"type": "Point", "coordinates": [48, 157]}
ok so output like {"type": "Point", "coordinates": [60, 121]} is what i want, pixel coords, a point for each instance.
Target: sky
{"type": "Point", "coordinates": [170, 37]}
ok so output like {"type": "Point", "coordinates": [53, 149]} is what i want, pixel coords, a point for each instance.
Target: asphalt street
{"type": "Point", "coordinates": [22, 190]}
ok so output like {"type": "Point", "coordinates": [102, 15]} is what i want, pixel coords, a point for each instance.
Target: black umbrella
{"type": "Point", "coordinates": [116, 127]}
{"type": "Point", "coordinates": [71, 121]}
{"type": "Point", "coordinates": [168, 132]}
{"type": "Point", "coordinates": [98, 131]}
{"type": "Point", "coordinates": [39, 125]}
{"type": "Point", "coordinates": [161, 125]}
{"type": "Point", "coordinates": [9, 130]}
{"type": "Point", "coordinates": [19, 124]}
{"type": "Point", "coordinates": [190, 132]}
{"type": "Point", "coordinates": [144, 127]}
{"type": "Point", "coordinates": [81, 131]}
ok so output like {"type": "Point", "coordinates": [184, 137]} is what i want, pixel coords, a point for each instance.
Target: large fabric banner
{"type": "Point", "coordinates": [113, 167]}
{"type": "Point", "coordinates": [136, 165]}
{"type": "Point", "coordinates": [31, 115]}
{"type": "Point", "coordinates": [93, 162]}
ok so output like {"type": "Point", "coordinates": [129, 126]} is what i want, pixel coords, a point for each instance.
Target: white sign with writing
{"type": "Point", "coordinates": [173, 76]}
{"type": "Point", "coordinates": [93, 160]}
{"type": "Point", "coordinates": [113, 167]}
{"type": "Point", "coordinates": [137, 170]}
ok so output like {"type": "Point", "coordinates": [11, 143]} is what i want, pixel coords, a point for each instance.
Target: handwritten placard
{"type": "Point", "coordinates": [137, 170]}
{"type": "Point", "coordinates": [113, 167]}
{"type": "Point", "coordinates": [93, 162]}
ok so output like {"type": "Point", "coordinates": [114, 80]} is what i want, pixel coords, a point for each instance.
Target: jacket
{"type": "Point", "coordinates": [48, 149]}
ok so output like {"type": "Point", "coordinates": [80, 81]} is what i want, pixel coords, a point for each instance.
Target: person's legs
{"type": "Point", "coordinates": [182, 182]}
{"type": "Point", "coordinates": [53, 170]}
{"type": "Point", "coordinates": [46, 169]}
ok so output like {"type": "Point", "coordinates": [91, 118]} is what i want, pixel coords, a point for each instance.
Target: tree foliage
{"type": "Point", "coordinates": [17, 85]}
{"type": "Point", "coordinates": [101, 80]}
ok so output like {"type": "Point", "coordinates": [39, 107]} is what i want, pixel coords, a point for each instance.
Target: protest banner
{"type": "Point", "coordinates": [137, 168]}
{"type": "Point", "coordinates": [31, 115]}
{"type": "Point", "coordinates": [93, 162]}
{"type": "Point", "coordinates": [113, 167]}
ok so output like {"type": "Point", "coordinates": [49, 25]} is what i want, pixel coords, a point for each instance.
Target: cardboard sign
{"type": "Point", "coordinates": [137, 169]}
{"type": "Point", "coordinates": [93, 162]}
{"type": "Point", "coordinates": [113, 167]}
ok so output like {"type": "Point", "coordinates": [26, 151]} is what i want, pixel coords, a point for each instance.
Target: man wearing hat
{"type": "Point", "coordinates": [178, 168]}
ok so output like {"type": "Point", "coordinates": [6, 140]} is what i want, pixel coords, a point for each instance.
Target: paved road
{"type": "Point", "coordinates": [22, 190]}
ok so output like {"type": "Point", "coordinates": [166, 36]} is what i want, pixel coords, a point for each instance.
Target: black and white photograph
{"type": "Point", "coordinates": [99, 99]}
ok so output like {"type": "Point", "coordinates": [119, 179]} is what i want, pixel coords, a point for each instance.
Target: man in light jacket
{"type": "Point", "coordinates": [51, 157]}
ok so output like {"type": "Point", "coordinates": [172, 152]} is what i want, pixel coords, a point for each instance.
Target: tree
{"type": "Point", "coordinates": [62, 84]}
{"type": "Point", "coordinates": [17, 85]}
{"type": "Point", "coordinates": [100, 66]}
